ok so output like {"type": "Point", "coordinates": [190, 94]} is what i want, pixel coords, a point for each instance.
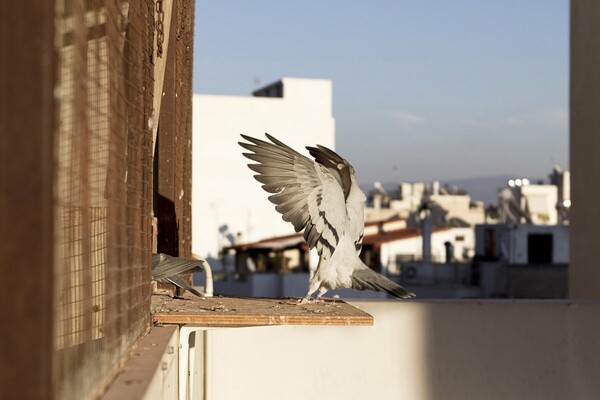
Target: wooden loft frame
{"type": "Point", "coordinates": [173, 153]}
{"type": "Point", "coordinates": [28, 126]}
{"type": "Point", "coordinates": [27, 122]}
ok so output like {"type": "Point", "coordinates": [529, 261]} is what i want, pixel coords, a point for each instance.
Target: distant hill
{"type": "Point", "coordinates": [482, 188]}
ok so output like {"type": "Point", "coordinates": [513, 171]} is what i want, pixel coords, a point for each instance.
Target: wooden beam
{"type": "Point", "coordinates": [173, 164]}
{"type": "Point", "coordinates": [163, 15]}
{"type": "Point", "coordinates": [27, 126]}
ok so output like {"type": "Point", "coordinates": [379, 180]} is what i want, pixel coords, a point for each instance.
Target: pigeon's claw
{"type": "Point", "coordinates": [309, 300]}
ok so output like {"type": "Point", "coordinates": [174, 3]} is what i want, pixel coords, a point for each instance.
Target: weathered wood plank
{"type": "Point", "coordinates": [27, 127]}
{"type": "Point", "coordinates": [230, 311]}
{"type": "Point", "coordinates": [173, 155]}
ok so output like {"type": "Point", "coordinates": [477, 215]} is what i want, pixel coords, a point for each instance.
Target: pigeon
{"type": "Point", "coordinates": [168, 269]}
{"type": "Point", "coordinates": [320, 197]}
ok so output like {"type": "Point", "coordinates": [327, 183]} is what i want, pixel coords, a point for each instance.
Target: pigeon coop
{"type": "Point", "coordinates": [95, 129]}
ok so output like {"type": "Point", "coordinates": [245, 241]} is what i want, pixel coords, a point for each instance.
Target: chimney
{"type": "Point", "coordinates": [426, 231]}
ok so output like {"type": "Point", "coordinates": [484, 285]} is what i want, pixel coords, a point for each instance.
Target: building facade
{"type": "Point", "coordinates": [228, 204]}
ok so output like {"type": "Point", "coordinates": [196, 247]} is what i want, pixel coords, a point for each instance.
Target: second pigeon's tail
{"type": "Point", "coordinates": [367, 279]}
{"type": "Point", "coordinates": [180, 282]}
{"type": "Point", "coordinates": [167, 268]}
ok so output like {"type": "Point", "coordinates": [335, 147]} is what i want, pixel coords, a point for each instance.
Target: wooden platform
{"type": "Point", "coordinates": [232, 311]}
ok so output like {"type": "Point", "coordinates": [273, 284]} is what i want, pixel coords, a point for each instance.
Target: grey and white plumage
{"type": "Point", "coordinates": [168, 269]}
{"type": "Point", "coordinates": [320, 197]}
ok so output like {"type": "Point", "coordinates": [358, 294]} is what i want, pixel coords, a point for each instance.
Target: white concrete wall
{"type": "Point", "coordinates": [560, 242]}
{"type": "Point", "coordinates": [152, 370]}
{"type": "Point", "coordinates": [463, 250]}
{"type": "Point", "coordinates": [415, 350]}
{"type": "Point", "coordinates": [224, 190]}
{"type": "Point", "coordinates": [541, 200]}
{"type": "Point", "coordinates": [511, 244]}
{"type": "Point", "coordinates": [459, 206]}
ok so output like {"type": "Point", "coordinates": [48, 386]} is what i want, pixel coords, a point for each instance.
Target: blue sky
{"type": "Point", "coordinates": [421, 89]}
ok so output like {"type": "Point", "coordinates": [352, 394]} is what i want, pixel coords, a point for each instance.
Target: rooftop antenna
{"type": "Point", "coordinates": [396, 174]}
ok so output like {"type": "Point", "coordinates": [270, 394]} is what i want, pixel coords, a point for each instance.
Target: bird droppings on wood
{"type": "Point", "coordinates": [233, 311]}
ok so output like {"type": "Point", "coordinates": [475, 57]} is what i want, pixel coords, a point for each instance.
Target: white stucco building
{"type": "Point", "coordinates": [523, 243]}
{"type": "Point", "coordinates": [225, 194]}
{"type": "Point", "coordinates": [446, 205]}
{"type": "Point", "coordinates": [539, 202]}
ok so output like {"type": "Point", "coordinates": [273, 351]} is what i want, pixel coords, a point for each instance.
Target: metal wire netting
{"type": "Point", "coordinates": [103, 188]}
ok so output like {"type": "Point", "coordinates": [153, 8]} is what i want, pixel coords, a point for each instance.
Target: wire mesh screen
{"type": "Point", "coordinates": [103, 188]}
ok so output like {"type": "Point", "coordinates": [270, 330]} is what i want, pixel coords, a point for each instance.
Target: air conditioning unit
{"type": "Point", "coordinates": [418, 272]}
{"type": "Point", "coordinates": [410, 273]}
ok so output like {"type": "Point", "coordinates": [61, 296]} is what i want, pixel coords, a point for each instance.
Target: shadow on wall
{"type": "Point", "coordinates": [510, 350]}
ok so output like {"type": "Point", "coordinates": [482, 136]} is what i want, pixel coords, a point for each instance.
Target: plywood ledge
{"type": "Point", "coordinates": [237, 312]}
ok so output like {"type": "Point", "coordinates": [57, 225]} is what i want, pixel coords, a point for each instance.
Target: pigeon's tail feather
{"type": "Point", "coordinates": [180, 282]}
{"type": "Point", "coordinates": [367, 279]}
{"type": "Point", "coordinates": [164, 266]}
{"type": "Point", "coordinates": [167, 268]}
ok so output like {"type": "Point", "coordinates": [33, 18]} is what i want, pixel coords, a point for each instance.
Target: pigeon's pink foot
{"type": "Point", "coordinates": [304, 300]}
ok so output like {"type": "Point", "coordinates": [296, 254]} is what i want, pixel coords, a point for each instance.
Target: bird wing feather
{"type": "Point", "coordinates": [320, 197]}
{"type": "Point", "coordinates": [309, 194]}
{"type": "Point", "coordinates": [165, 266]}
{"type": "Point", "coordinates": [343, 172]}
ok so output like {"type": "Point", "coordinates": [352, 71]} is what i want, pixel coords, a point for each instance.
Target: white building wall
{"type": "Point", "coordinates": [418, 350]}
{"type": "Point", "coordinates": [389, 251]}
{"type": "Point", "coordinates": [512, 241]}
{"type": "Point", "coordinates": [223, 188]}
{"type": "Point", "coordinates": [560, 245]}
{"type": "Point", "coordinates": [560, 242]}
{"type": "Point", "coordinates": [459, 206]}
{"type": "Point", "coordinates": [542, 201]}
{"type": "Point", "coordinates": [463, 249]}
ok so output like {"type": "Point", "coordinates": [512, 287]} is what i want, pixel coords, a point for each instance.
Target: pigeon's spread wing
{"type": "Point", "coordinates": [310, 195]}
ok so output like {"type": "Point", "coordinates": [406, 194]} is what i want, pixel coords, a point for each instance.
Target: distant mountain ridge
{"type": "Point", "coordinates": [482, 188]}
